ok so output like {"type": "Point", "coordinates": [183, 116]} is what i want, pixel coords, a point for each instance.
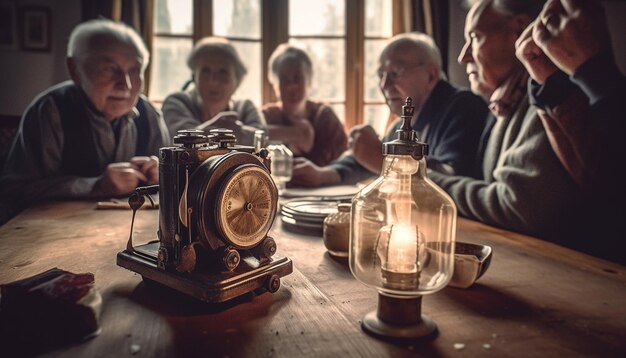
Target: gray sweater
{"type": "Point", "coordinates": [182, 110]}
{"type": "Point", "coordinates": [526, 189]}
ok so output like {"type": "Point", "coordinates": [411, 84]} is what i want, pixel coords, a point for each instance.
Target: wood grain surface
{"type": "Point", "coordinates": [536, 299]}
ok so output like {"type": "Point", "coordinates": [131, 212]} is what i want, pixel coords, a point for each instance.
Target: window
{"type": "Point", "coordinates": [240, 22]}
{"type": "Point", "coordinates": [343, 37]}
{"type": "Point", "coordinates": [320, 28]}
{"type": "Point", "coordinates": [378, 28]}
{"type": "Point", "coordinates": [172, 42]}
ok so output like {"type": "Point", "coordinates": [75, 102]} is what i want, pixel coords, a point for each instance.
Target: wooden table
{"type": "Point", "coordinates": [536, 299]}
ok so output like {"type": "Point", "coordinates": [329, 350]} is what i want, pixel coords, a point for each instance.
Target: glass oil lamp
{"type": "Point", "coordinates": [402, 233]}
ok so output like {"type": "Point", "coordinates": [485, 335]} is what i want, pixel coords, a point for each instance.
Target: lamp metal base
{"type": "Point", "coordinates": [399, 317]}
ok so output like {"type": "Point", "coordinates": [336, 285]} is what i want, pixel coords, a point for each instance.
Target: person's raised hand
{"type": "Point", "coordinates": [366, 147]}
{"type": "Point", "coordinates": [570, 32]}
{"type": "Point", "coordinates": [118, 179]}
{"type": "Point", "coordinates": [538, 65]}
{"type": "Point", "coordinates": [307, 174]}
{"type": "Point", "coordinates": [226, 119]}
{"type": "Point", "coordinates": [149, 167]}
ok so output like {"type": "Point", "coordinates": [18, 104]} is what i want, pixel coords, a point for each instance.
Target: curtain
{"type": "Point", "coordinates": [93, 9]}
{"type": "Point", "coordinates": [135, 13]}
{"type": "Point", "coordinates": [433, 18]}
{"type": "Point", "coordinates": [428, 16]}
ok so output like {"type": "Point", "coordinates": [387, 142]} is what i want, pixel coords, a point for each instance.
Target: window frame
{"type": "Point", "coordinates": [277, 12]}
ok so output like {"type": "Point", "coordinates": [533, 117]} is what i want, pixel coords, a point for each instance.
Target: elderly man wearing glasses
{"type": "Point", "coordinates": [449, 119]}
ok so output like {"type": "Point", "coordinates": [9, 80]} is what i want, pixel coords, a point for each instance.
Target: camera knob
{"type": "Point", "coordinates": [273, 283]}
{"type": "Point", "coordinates": [222, 137]}
{"type": "Point", "coordinates": [230, 258]}
{"type": "Point", "coordinates": [265, 250]}
{"type": "Point", "coordinates": [190, 138]}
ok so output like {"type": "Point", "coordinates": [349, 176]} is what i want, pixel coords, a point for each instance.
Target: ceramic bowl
{"type": "Point", "coordinates": [471, 261]}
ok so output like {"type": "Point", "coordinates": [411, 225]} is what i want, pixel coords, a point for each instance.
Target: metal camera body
{"type": "Point", "coordinates": [217, 203]}
{"type": "Point", "coordinates": [193, 183]}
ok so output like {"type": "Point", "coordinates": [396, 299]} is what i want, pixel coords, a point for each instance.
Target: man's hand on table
{"type": "Point", "coordinates": [366, 147]}
{"type": "Point", "coordinates": [122, 178]}
{"type": "Point", "coordinates": [307, 174]}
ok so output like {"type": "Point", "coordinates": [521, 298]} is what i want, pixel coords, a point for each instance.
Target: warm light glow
{"type": "Point", "coordinates": [398, 240]}
{"type": "Point", "coordinates": [402, 249]}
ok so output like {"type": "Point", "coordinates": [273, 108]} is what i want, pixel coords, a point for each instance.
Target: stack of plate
{"type": "Point", "coordinates": [305, 216]}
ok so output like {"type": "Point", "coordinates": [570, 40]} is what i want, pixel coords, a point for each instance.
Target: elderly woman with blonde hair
{"type": "Point", "coordinates": [206, 103]}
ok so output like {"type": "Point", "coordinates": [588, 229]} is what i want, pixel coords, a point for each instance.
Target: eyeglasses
{"type": "Point", "coordinates": [394, 72]}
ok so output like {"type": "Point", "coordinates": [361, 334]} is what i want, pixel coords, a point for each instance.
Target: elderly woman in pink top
{"type": "Point", "coordinates": [310, 129]}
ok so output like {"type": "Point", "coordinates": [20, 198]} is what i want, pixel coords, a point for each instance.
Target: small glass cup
{"type": "Point", "coordinates": [260, 140]}
{"type": "Point", "coordinates": [282, 164]}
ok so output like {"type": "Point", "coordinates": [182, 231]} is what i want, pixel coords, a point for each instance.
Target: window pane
{"type": "Point", "coordinates": [377, 115]}
{"type": "Point", "coordinates": [250, 88]}
{"type": "Point", "coordinates": [174, 16]}
{"type": "Point", "coordinates": [329, 73]}
{"type": "Point", "coordinates": [373, 49]}
{"type": "Point", "coordinates": [378, 18]}
{"type": "Point", "coordinates": [169, 68]}
{"type": "Point", "coordinates": [237, 18]}
{"type": "Point", "coordinates": [319, 17]}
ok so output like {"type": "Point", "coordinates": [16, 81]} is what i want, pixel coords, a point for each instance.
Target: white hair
{"type": "Point", "coordinates": [93, 33]}
{"type": "Point", "coordinates": [286, 52]}
{"type": "Point", "coordinates": [425, 46]}
{"type": "Point", "coordinates": [210, 46]}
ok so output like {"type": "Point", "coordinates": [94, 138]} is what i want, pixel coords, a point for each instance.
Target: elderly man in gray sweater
{"type": "Point", "coordinates": [523, 186]}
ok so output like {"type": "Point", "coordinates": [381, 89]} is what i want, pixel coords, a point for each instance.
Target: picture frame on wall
{"type": "Point", "coordinates": [8, 29]}
{"type": "Point", "coordinates": [35, 28]}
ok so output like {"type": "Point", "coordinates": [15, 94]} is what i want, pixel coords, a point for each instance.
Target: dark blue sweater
{"type": "Point", "coordinates": [450, 122]}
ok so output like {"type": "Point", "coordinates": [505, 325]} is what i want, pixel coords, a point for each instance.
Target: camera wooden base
{"type": "Point", "coordinates": [208, 286]}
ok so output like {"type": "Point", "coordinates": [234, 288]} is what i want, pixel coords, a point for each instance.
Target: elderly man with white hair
{"type": "Point", "coordinates": [449, 119]}
{"type": "Point", "coordinates": [524, 187]}
{"type": "Point", "coordinates": [93, 136]}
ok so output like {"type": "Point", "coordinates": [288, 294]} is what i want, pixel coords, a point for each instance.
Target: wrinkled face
{"type": "Point", "coordinates": [489, 50]}
{"type": "Point", "coordinates": [215, 79]}
{"type": "Point", "coordinates": [403, 73]}
{"type": "Point", "coordinates": [292, 82]}
{"type": "Point", "coordinates": [112, 77]}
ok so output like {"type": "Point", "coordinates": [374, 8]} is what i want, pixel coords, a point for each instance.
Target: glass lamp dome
{"type": "Point", "coordinates": [402, 234]}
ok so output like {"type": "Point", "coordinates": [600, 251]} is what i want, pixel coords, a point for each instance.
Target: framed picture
{"type": "Point", "coordinates": [34, 24]}
{"type": "Point", "coordinates": [8, 36]}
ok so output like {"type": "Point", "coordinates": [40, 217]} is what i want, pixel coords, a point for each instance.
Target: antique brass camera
{"type": "Point", "coordinates": [217, 203]}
